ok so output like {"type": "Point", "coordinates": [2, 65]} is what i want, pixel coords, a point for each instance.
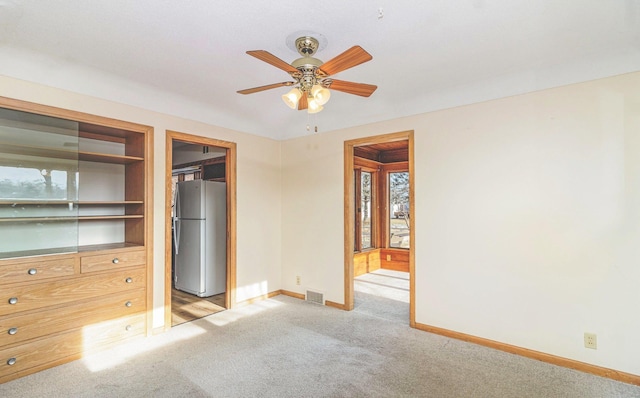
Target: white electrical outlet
{"type": "Point", "coordinates": [297, 280]}
{"type": "Point", "coordinates": [590, 341]}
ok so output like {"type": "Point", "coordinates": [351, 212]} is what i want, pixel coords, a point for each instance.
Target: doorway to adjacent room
{"type": "Point", "coordinates": [379, 252]}
{"type": "Point", "coordinates": [207, 167]}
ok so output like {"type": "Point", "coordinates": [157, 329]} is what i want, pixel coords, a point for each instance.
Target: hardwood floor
{"type": "Point", "coordinates": [186, 307]}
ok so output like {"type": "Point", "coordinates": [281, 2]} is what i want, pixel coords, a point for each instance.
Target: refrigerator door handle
{"type": "Point", "coordinates": [176, 203]}
{"type": "Point", "coordinates": [176, 220]}
{"type": "Point", "coordinates": [176, 234]}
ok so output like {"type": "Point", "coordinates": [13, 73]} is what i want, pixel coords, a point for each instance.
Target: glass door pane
{"type": "Point", "coordinates": [38, 184]}
{"type": "Point", "coordinates": [399, 210]}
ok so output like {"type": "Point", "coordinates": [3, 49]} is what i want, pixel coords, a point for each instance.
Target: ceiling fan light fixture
{"type": "Point", "coordinates": [311, 77]}
{"type": "Point", "coordinates": [292, 97]}
{"type": "Point", "coordinates": [320, 94]}
{"type": "Point", "coordinates": [314, 106]}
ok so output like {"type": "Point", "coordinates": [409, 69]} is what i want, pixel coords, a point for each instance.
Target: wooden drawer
{"type": "Point", "coordinates": [55, 292]}
{"type": "Point", "coordinates": [32, 324]}
{"type": "Point", "coordinates": [69, 345]}
{"type": "Point", "coordinates": [34, 271]}
{"type": "Point", "coordinates": [113, 260]}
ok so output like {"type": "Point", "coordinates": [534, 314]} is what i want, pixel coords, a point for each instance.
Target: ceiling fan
{"type": "Point", "coordinates": [312, 78]}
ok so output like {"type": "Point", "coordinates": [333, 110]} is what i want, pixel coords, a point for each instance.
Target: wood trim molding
{"type": "Point", "coordinates": [288, 293]}
{"type": "Point", "coordinates": [335, 305]}
{"type": "Point", "coordinates": [412, 232]}
{"type": "Point", "coordinates": [299, 296]}
{"type": "Point", "coordinates": [385, 154]}
{"type": "Point", "coordinates": [349, 224]}
{"type": "Point", "coordinates": [76, 116]}
{"type": "Point", "coordinates": [258, 298]}
{"type": "Point", "coordinates": [537, 355]}
{"type": "Point", "coordinates": [292, 294]}
{"type": "Point", "coordinates": [302, 297]}
{"type": "Point", "coordinates": [231, 159]}
{"type": "Point", "coordinates": [158, 330]}
{"type": "Point", "coordinates": [370, 164]}
{"type": "Point", "coordinates": [148, 219]}
{"type": "Point", "coordinates": [205, 162]}
{"type": "Point", "coordinates": [168, 258]}
{"type": "Point", "coordinates": [349, 215]}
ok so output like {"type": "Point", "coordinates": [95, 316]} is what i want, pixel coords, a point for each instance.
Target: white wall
{"type": "Point", "coordinates": [527, 213]}
{"type": "Point", "coordinates": [258, 182]}
{"type": "Point", "coordinates": [312, 204]}
{"type": "Point", "coordinates": [527, 218]}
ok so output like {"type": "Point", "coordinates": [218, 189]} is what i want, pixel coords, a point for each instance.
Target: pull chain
{"type": "Point", "coordinates": [315, 122]}
{"type": "Point", "coordinates": [315, 127]}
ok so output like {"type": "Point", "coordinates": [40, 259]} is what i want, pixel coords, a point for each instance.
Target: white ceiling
{"type": "Point", "coordinates": [187, 58]}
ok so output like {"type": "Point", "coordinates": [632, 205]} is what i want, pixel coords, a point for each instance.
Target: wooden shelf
{"type": "Point", "coordinates": [107, 246]}
{"type": "Point", "coordinates": [38, 151]}
{"type": "Point", "coordinates": [39, 252]}
{"type": "Point", "coordinates": [36, 219]}
{"type": "Point", "coordinates": [68, 218]}
{"type": "Point", "coordinates": [36, 202]}
{"type": "Point", "coordinates": [48, 152]}
{"type": "Point", "coordinates": [27, 202]}
{"type": "Point", "coordinates": [122, 217]}
{"type": "Point", "coordinates": [109, 203]}
{"type": "Point", "coordinates": [106, 158]}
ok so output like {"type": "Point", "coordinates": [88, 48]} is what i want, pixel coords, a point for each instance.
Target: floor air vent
{"type": "Point", "coordinates": [315, 297]}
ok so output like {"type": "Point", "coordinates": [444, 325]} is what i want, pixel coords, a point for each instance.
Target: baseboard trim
{"type": "Point", "coordinates": [292, 294]}
{"type": "Point", "coordinates": [302, 297]}
{"type": "Point", "coordinates": [159, 330]}
{"type": "Point", "coordinates": [334, 305]}
{"type": "Point", "coordinates": [540, 356]}
{"type": "Point", "coordinates": [257, 298]}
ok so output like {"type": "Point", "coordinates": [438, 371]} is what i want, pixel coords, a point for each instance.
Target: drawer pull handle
{"type": "Point", "coordinates": [13, 300]}
{"type": "Point", "coordinates": [32, 271]}
{"type": "Point", "coordinates": [128, 280]}
{"type": "Point", "coordinates": [11, 361]}
{"type": "Point", "coordinates": [13, 331]}
{"type": "Point", "coordinates": [128, 304]}
{"type": "Point", "coordinates": [128, 328]}
{"type": "Point", "coordinates": [115, 260]}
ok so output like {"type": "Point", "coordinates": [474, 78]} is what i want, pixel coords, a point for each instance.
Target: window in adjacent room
{"type": "Point", "coordinates": [399, 209]}
{"type": "Point", "coordinates": [365, 213]}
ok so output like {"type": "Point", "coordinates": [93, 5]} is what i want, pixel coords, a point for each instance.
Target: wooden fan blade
{"type": "Point", "coordinates": [302, 102]}
{"type": "Point", "coordinates": [273, 60]}
{"type": "Point", "coordinates": [262, 88]}
{"type": "Point", "coordinates": [361, 89]}
{"type": "Point", "coordinates": [356, 55]}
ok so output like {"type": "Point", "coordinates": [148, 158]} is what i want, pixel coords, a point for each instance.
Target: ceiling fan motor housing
{"type": "Point", "coordinates": [306, 75]}
{"type": "Point", "coordinates": [307, 65]}
{"type": "Point", "coordinates": [306, 46]}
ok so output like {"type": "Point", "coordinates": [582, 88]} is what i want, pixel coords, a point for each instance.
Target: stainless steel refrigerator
{"type": "Point", "coordinates": [200, 236]}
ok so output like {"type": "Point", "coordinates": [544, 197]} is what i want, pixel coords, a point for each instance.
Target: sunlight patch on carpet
{"type": "Point", "coordinates": [124, 352]}
{"type": "Point", "coordinates": [230, 316]}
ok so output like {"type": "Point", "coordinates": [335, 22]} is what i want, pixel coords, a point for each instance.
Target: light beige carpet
{"type": "Point", "coordinates": [285, 347]}
{"type": "Point", "coordinates": [383, 294]}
